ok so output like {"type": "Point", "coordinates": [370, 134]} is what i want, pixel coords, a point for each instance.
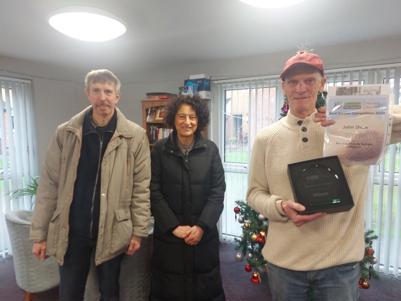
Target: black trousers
{"type": "Point", "coordinates": [75, 270]}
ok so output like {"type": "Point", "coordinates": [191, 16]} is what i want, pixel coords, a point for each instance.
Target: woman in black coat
{"type": "Point", "coordinates": [187, 195]}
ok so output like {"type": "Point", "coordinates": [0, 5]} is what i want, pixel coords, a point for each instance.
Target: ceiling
{"type": "Point", "coordinates": [165, 32]}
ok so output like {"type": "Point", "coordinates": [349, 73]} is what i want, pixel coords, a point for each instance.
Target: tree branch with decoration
{"type": "Point", "coordinates": [368, 261]}
{"type": "Point", "coordinates": [249, 247]}
{"type": "Point", "coordinates": [255, 228]}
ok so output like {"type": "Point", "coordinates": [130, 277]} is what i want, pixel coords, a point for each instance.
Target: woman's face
{"type": "Point", "coordinates": [186, 121]}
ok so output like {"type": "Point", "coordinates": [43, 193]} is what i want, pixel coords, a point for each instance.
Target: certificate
{"type": "Point", "coordinates": [361, 128]}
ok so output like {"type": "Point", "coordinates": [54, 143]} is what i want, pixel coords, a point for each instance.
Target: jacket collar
{"type": "Point", "coordinates": [123, 128]}
{"type": "Point", "coordinates": [90, 128]}
{"type": "Point", "coordinates": [172, 143]}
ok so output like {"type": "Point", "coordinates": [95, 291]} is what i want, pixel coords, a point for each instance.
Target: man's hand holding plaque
{"type": "Point", "coordinates": [294, 210]}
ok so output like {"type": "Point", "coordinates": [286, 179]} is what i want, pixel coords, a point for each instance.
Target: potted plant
{"type": "Point", "coordinates": [29, 190]}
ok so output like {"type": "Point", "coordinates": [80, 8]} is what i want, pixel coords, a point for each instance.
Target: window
{"type": "Point", "coordinates": [18, 163]}
{"type": "Point", "coordinates": [253, 104]}
{"type": "Point", "coordinates": [248, 107]}
{"type": "Point", "coordinates": [239, 104]}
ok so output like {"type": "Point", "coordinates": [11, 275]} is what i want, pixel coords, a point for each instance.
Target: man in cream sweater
{"type": "Point", "coordinates": [317, 251]}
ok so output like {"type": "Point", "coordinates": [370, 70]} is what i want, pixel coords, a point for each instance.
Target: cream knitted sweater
{"type": "Point", "coordinates": [332, 240]}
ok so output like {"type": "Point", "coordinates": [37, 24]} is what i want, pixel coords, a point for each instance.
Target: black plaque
{"type": "Point", "coordinates": [320, 185]}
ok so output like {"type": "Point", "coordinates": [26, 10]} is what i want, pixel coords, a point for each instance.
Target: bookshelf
{"type": "Point", "coordinates": [153, 112]}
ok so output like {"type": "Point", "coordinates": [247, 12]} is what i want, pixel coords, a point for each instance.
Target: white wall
{"type": "Point", "coordinates": [380, 51]}
{"type": "Point", "coordinates": [55, 101]}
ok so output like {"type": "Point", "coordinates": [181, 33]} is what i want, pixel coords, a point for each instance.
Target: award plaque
{"type": "Point", "coordinates": [320, 185]}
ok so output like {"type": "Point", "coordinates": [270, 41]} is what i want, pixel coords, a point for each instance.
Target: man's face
{"type": "Point", "coordinates": [301, 90]}
{"type": "Point", "coordinates": [103, 98]}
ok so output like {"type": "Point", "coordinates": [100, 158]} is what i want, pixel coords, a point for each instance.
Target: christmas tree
{"type": "Point", "coordinates": [368, 261]}
{"type": "Point", "coordinates": [253, 239]}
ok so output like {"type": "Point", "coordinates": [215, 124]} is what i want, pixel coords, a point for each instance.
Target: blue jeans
{"type": "Point", "coordinates": [339, 283]}
{"type": "Point", "coordinates": [74, 272]}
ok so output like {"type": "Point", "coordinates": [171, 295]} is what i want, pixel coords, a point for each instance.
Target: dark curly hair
{"type": "Point", "coordinates": [199, 105]}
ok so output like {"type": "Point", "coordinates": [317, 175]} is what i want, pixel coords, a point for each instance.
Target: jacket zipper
{"type": "Point", "coordinates": [96, 180]}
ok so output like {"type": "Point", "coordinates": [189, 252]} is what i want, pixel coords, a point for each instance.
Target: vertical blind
{"type": "Point", "coordinates": [18, 162]}
{"type": "Point", "coordinates": [243, 108]}
{"type": "Point", "coordinates": [383, 204]}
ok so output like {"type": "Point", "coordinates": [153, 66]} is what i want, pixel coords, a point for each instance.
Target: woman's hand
{"type": "Point", "coordinates": [194, 236]}
{"type": "Point", "coordinates": [182, 231]}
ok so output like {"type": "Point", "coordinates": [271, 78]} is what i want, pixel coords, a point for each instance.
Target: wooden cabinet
{"type": "Point", "coordinates": [154, 108]}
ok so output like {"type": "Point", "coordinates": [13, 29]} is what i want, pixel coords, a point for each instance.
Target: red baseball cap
{"type": "Point", "coordinates": [303, 57]}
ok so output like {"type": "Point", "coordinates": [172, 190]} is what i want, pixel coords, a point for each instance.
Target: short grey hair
{"type": "Point", "coordinates": [102, 76]}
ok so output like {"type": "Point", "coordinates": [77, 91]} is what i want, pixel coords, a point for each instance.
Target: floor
{"type": "Point", "coordinates": [237, 284]}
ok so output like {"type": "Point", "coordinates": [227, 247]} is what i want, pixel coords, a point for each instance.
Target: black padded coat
{"type": "Point", "coordinates": [186, 190]}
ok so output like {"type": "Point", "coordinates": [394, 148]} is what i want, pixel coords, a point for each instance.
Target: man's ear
{"type": "Point", "coordinates": [282, 86]}
{"type": "Point", "coordinates": [323, 82]}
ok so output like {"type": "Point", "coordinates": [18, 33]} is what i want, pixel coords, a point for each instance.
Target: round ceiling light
{"type": "Point", "coordinates": [271, 3]}
{"type": "Point", "coordinates": [87, 26]}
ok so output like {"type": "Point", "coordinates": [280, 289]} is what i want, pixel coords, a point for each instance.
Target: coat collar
{"type": "Point", "coordinates": [172, 145]}
{"type": "Point", "coordinates": [90, 128]}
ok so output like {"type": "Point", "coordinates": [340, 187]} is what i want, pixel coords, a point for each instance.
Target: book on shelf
{"type": "Point", "coordinates": [157, 133]}
{"type": "Point", "coordinates": [155, 114]}
{"type": "Point", "coordinates": [160, 113]}
{"type": "Point", "coordinates": [150, 114]}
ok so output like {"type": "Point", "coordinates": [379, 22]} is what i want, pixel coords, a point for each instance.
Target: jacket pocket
{"type": "Point", "coordinates": [53, 234]}
{"type": "Point", "coordinates": [122, 230]}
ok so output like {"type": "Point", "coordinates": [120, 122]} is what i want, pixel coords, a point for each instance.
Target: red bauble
{"type": "Point", "coordinates": [260, 239]}
{"type": "Point", "coordinates": [248, 267]}
{"type": "Point", "coordinates": [369, 251]}
{"type": "Point", "coordinates": [256, 278]}
{"type": "Point", "coordinates": [237, 210]}
{"type": "Point", "coordinates": [365, 284]}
